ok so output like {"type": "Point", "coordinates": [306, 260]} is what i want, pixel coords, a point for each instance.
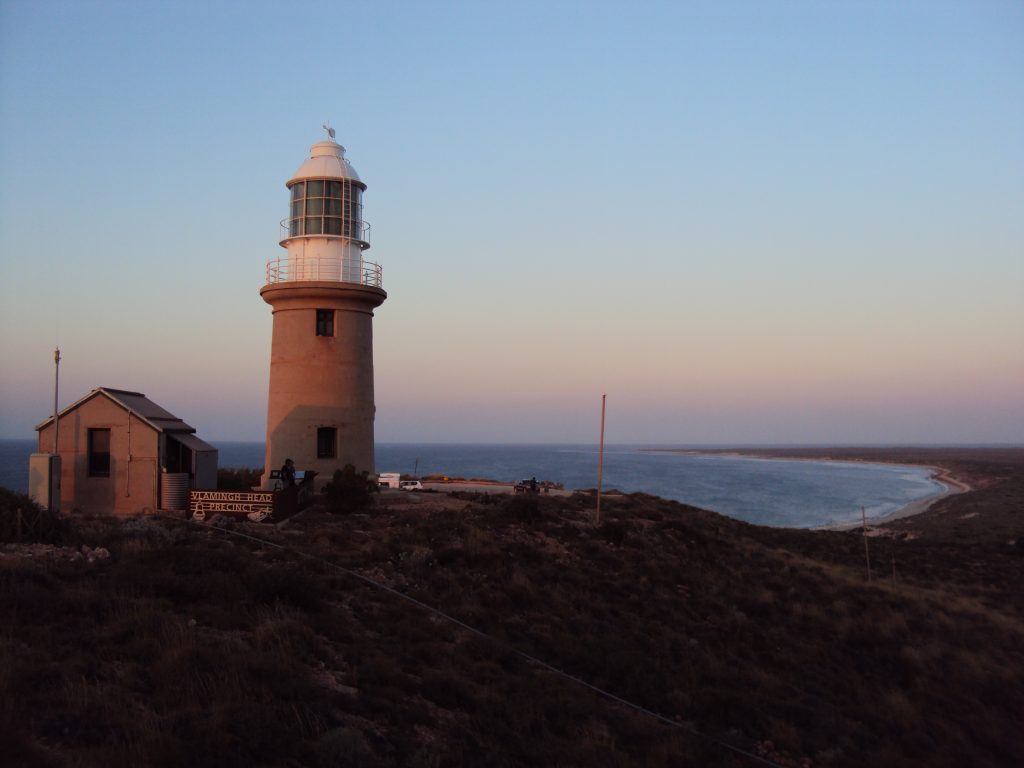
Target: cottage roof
{"type": "Point", "coordinates": [137, 404]}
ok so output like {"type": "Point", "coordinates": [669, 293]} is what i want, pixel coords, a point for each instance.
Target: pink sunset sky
{"type": "Point", "coordinates": [744, 222]}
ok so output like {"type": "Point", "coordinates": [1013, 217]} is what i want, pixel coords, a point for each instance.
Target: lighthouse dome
{"type": "Point", "coordinates": [326, 161]}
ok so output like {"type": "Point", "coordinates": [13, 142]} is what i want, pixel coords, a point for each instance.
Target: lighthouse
{"type": "Point", "coordinates": [320, 407]}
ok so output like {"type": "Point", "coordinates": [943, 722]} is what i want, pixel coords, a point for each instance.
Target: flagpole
{"type": "Point", "coordinates": [867, 554]}
{"type": "Point", "coordinates": [600, 463]}
{"type": "Point", "coordinates": [56, 387]}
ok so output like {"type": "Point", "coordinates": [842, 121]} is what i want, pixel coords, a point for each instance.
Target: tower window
{"type": "Point", "coordinates": [99, 453]}
{"type": "Point", "coordinates": [326, 442]}
{"type": "Point", "coordinates": [325, 322]}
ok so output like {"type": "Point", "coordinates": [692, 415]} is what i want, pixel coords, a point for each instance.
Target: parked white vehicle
{"type": "Point", "coordinates": [389, 479]}
{"type": "Point", "coordinates": [411, 485]}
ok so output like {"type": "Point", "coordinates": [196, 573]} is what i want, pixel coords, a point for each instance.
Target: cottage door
{"type": "Point", "coordinates": [141, 490]}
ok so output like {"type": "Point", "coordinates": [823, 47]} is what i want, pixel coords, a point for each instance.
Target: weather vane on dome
{"type": "Point", "coordinates": [330, 131]}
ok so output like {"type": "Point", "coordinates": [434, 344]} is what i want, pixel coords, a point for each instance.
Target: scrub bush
{"type": "Point", "coordinates": [37, 525]}
{"type": "Point", "coordinates": [229, 479]}
{"type": "Point", "coordinates": [349, 491]}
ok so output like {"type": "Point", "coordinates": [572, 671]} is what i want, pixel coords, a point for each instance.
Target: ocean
{"type": "Point", "coordinates": [777, 492]}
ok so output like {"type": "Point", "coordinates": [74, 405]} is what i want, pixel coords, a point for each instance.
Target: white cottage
{"type": "Point", "coordinates": [121, 453]}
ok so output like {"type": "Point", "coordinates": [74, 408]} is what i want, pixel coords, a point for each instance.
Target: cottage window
{"type": "Point", "coordinates": [325, 322]}
{"type": "Point", "coordinates": [99, 453]}
{"type": "Point", "coordinates": [326, 443]}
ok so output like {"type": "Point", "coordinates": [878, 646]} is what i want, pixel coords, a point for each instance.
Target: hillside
{"type": "Point", "coordinates": [194, 645]}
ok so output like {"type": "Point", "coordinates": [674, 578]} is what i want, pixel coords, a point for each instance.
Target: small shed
{"type": "Point", "coordinates": [121, 453]}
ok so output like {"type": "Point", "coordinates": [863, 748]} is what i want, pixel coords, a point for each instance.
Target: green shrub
{"type": "Point", "coordinates": [446, 690]}
{"type": "Point", "coordinates": [524, 507]}
{"type": "Point", "coordinates": [21, 519]}
{"type": "Point", "coordinates": [349, 491]}
{"type": "Point", "coordinates": [342, 747]}
{"type": "Point", "coordinates": [290, 587]}
{"type": "Point", "coordinates": [233, 479]}
{"type": "Point", "coordinates": [613, 532]}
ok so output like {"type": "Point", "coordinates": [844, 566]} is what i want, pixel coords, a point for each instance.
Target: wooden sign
{"type": "Point", "coordinates": [255, 505]}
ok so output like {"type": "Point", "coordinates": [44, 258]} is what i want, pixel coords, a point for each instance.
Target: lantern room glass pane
{"type": "Point", "coordinates": [326, 207]}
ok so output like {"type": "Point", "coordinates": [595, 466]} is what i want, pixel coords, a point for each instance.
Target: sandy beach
{"type": "Point", "coordinates": [484, 486]}
{"type": "Point", "coordinates": [953, 484]}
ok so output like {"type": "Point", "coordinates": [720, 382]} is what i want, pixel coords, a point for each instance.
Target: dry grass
{"type": "Point", "coordinates": [191, 647]}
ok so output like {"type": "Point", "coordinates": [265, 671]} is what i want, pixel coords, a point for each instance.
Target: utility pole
{"type": "Point", "coordinates": [56, 387]}
{"type": "Point", "coordinates": [867, 554]}
{"type": "Point", "coordinates": [600, 463]}
{"type": "Point", "coordinates": [892, 554]}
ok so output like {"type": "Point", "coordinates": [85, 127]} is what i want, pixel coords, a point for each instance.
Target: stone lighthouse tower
{"type": "Point", "coordinates": [323, 292]}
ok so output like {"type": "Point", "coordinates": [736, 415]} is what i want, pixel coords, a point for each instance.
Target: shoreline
{"type": "Point", "coordinates": [952, 487]}
{"type": "Point", "coordinates": [952, 484]}
{"type": "Point", "coordinates": [949, 483]}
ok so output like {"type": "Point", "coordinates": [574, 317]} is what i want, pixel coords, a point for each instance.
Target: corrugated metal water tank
{"type": "Point", "coordinates": [174, 491]}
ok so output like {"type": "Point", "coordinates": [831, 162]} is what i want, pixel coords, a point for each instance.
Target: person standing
{"type": "Point", "coordinates": [288, 473]}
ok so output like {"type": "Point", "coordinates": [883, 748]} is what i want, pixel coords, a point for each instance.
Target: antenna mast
{"type": "Point", "coordinates": [600, 464]}
{"type": "Point", "coordinates": [56, 389]}
{"type": "Point", "coordinates": [867, 553]}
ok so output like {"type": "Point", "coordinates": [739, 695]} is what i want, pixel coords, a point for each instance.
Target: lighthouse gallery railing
{"type": "Point", "coordinates": [284, 269]}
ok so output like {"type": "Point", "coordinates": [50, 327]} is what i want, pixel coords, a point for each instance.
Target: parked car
{"type": "Point", "coordinates": [525, 486]}
{"type": "Point", "coordinates": [411, 485]}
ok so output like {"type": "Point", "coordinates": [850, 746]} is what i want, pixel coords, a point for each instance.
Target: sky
{"type": "Point", "coordinates": [745, 222]}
